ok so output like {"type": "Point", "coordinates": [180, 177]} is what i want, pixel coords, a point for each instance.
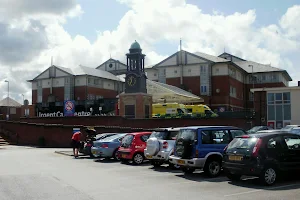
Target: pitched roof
{"type": "Point", "coordinates": [9, 102]}
{"type": "Point", "coordinates": [257, 67]}
{"type": "Point", "coordinates": [215, 59]}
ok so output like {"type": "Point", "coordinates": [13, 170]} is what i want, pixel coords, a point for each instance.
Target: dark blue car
{"type": "Point", "coordinates": [201, 147]}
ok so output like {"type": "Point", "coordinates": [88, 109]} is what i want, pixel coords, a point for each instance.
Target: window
{"type": "Point", "coordinates": [279, 113]}
{"type": "Point", "coordinates": [235, 133]}
{"type": "Point", "coordinates": [217, 70]}
{"type": "Point", "coordinates": [286, 97]}
{"type": "Point", "coordinates": [203, 69]}
{"type": "Point", "coordinates": [189, 70]}
{"type": "Point", "coordinates": [271, 99]}
{"type": "Point", "coordinates": [251, 96]}
{"type": "Point", "coordinates": [278, 98]}
{"type": "Point", "coordinates": [220, 137]}
{"type": "Point", "coordinates": [203, 89]}
{"type": "Point", "coordinates": [274, 143]}
{"type": "Point", "coordinates": [89, 80]}
{"type": "Point", "coordinates": [292, 142]}
{"type": "Point", "coordinates": [215, 137]}
{"type": "Point", "coordinates": [271, 112]}
{"type": "Point", "coordinates": [96, 81]}
{"type": "Point", "coordinates": [154, 74]}
{"type": "Point", "coordinates": [286, 112]}
{"type": "Point", "coordinates": [205, 137]}
{"type": "Point", "coordinates": [144, 138]}
{"type": "Point", "coordinates": [232, 91]}
{"type": "Point", "coordinates": [175, 72]}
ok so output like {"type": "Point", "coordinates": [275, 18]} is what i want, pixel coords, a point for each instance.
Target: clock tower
{"type": "Point", "coordinates": [135, 77]}
{"type": "Point", "coordinates": [135, 102]}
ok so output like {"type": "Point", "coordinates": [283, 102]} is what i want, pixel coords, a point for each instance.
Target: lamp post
{"type": "Point", "coordinates": [253, 88]}
{"type": "Point", "coordinates": [7, 115]}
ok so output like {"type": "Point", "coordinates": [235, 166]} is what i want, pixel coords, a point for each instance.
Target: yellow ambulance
{"type": "Point", "coordinates": [200, 110]}
{"type": "Point", "coordinates": [169, 110]}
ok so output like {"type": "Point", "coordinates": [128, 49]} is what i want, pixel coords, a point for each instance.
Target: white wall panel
{"type": "Point", "coordinates": [191, 70]}
{"type": "Point", "coordinates": [34, 85]}
{"type": "Point", "coordinates": [170, 61]}
{"type": "Point", "coordinates": [220, 69]}
{"type": "Point", "coordinates": [108, 84]}
{"type": "Point", "coordinates": [172, 72]}
{"type": "Point", "coordinates": [80, 81]}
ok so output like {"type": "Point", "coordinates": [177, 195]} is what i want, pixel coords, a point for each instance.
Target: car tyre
{"type": "Point", "coordinates": [92, 156]}
{"type": "Point", "coordinates": [116, 156]}
{"type": "Point", "coordinates": [138, 159]}
{"type": "Point", "coordinates": [268, 176]}
{"type": "Point", "coordinates": [188, 170]}
{"type": "Point", "coordinates": [232, 177]}
{"type": "Point", "coordinates": [213, 167]}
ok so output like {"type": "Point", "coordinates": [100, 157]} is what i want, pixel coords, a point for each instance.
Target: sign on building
{"type": "Point", "coordinates": [69, 108]}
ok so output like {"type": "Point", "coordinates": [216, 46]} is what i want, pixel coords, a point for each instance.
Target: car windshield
{"type": "Point", "coordinates": [187, 134]}
{"type": "Point", "coordinates": [242, 143]}
{"type": "Point", "coordinates": [165, 135]}
{"type": "Point", "coordinates": [112, 137]}
{"type": "Point", "coordinates": [127, 140]}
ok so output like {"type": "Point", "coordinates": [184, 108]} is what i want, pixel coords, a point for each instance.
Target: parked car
{"type": "Point", "coordinates": [87, 145]}
{"type": "Point", "coordinates": [160, 146]}
{"type": "Point", "coordinates": [296, 130]}
{"type": "Point", "coordinates": [266, 156]}
{"type": "Point", "coordinates": [289, 128]}
{"type": "Point", "coordinates": [108, 147]}
{"type": "Point", "coordinates": [259, 128]}
{"type": "Point", "coordinates": [132, 147]}
{"type": "Point", "coordinates": [201, 147]}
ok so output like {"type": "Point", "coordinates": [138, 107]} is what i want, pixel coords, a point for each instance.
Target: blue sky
{"type": "Point", "coordinates": [101, 15]}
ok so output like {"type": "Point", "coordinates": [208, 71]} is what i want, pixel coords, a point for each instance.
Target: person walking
{"type": "Point", "coordinates": [76, 137]}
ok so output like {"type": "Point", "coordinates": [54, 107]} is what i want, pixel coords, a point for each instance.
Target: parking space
{"type": "Point", "coordinates": [107, 179]}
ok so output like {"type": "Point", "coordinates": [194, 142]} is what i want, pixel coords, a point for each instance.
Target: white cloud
{"type": "Point", "coordinates": [149, 24]}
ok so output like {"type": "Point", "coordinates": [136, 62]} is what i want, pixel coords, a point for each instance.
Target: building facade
{"type": "Point", "coordinates": [223, 81]}
{"type": "Point", "coordinates": [279, 106]}
{"type": "Point", "coordinates": [90, 88]}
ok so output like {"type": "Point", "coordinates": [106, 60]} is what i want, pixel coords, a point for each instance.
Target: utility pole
{"type": "Point", "coordinates": [7, 115]}
{"type": "Point", "coordinates": [181, 63]}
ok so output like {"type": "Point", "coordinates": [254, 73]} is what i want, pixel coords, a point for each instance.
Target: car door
{"type": "Point", "coordinates": [292, 153]}
{"type": "Point", "coordinates": [214, 140]}
{"type": "Point", "coordinates": [275, 152]}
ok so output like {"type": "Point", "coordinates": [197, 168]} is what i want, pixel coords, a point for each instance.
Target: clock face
{"type": "Point", "coordinates": [131, 80]}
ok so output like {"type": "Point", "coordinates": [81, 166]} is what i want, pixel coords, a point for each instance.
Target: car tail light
{"type": "Point", "coordinates": [165, 145]}
{"type": "Point", "coordinates": [89, 145]}
{"type": "Point", "coordinates": [256, 147]}
{"type": "Point", "coordinates": [196, 153]}
{"type": "Point", "coordinates": [245, 136]}
{"type": "Point", "coordinates": [104, 146]}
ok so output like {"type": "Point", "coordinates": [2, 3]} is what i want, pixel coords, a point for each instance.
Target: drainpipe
{"type": "Point", "coordinates": [86, 92]}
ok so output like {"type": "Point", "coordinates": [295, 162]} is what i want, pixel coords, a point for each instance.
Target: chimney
{"type": "Point", "coordinates": [298, 83]}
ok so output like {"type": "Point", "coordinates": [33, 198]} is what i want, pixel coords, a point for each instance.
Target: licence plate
{"type": "Point", "coordinates": [182, 162]}
{"type": "Point", "coordinates": [123, 156]}
{"type": "Point", "coordinates": [235, 158]}
{"type": "Point", "coordinates": [94, 152]}
{"type": "Point", "coordinates": [149, 157]}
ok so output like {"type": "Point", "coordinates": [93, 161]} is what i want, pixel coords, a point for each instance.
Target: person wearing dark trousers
{"type": "Point", "coordinates": [76, 143]}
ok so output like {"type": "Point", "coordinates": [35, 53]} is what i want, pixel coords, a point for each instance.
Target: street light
{"type": "Point", "coordinates": [7, 98]}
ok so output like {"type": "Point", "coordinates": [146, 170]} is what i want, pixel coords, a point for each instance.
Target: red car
{"type": "Point", "coordinates": [132, 147]}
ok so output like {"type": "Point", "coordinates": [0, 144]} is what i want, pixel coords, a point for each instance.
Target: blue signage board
{"type": "Point", "coordinates": [69, 108]}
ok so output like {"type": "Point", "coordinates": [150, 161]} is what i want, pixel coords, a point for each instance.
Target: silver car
{"type": "Point", "coordinates": [160, 146]}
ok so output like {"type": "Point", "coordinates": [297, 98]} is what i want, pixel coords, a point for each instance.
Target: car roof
{"type": "Point", "coordinates": [139, 133]}
{"type": "Point", "coordinates": [212, 127]}
{"type": "Point", "coordinates": [267, 134]}
{"type": "Point", "coordinates": [170, 129]}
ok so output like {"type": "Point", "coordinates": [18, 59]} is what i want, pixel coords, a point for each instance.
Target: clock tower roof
{"type": "Point", "coordinates": [135, 46]}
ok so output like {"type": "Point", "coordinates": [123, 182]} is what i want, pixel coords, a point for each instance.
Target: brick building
{"type": "Point", "coordinates": [87, 86]}
{"type": "Point", "coordinates": [222, 81]}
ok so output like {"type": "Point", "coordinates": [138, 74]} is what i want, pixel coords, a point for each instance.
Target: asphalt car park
{"type": "Point", "coordinates": [30, 173]}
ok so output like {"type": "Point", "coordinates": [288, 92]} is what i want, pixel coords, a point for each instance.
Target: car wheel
{"type": "Point", "coordinates": [188, 170]}
{"type": "Point", "coordinates": [233, 177]}
{"type": "Point", "coordinates": [92, 156]}
{"type": "Point", "coordinates": [138, 159]}
{"type": "Point", "coordinates": [212, 167]}
{"type": "Point", "coordinates": [116, 156]}
{"type": "Point", "coordinates": [268, 176]}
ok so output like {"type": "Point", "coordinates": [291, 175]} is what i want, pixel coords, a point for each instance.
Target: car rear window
{"type": "Point", "coordinates": [165, 135]}
{"type": "Point", "coordinates": [242, 143]}
{"type": "Point", "coordinates": [127, 140]}
{"type": "Point", "coordinates": [187, 134]}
